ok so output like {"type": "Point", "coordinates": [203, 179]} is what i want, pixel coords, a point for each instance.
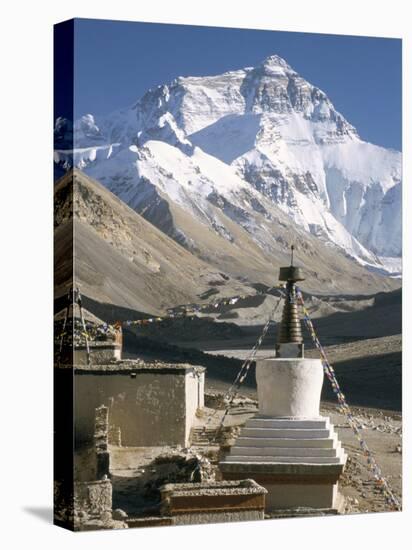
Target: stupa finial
{"type": "Point", "coordinates": [289, 339]}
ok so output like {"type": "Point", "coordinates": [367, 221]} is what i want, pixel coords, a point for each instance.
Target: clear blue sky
{"type": "Point", "coordinates": [117, 62]}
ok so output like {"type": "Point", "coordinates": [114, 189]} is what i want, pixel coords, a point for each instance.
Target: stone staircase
{"type": "Point", "coordinates": [203, 437]}
{"type": "Point", "coordinates": [288, 441]}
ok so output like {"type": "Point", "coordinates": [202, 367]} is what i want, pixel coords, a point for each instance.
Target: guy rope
{"type": "Point", "coordinates": [191, 310]}
{"type": "Point", "coordinates": [244, 369]}
{"type": "Point", "coordinates": [380, 480]}
{"type": "Point", "coordinates": [230, 395]}
{"type": "Point", "coordinates": [73, 297]}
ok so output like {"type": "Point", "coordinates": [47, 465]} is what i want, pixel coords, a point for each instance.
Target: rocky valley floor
{"type": "Point", "coordinates": [137, 473]}
{"type": "Point", "coordinates": [362, 339]}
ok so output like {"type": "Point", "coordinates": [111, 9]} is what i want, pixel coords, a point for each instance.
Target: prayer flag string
{"type": "Point", "coordinates": [96, 332]}
{"type": "Point", "coordinates": [244, 369]}
{"type": "Point", "coordinates": [372, 465]}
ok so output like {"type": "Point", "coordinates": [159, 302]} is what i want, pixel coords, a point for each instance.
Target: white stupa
{"type": "Point", "coordinates": [288, 447]}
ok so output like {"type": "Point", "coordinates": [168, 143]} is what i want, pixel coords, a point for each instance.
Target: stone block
{"type": "Point", "coordinates": [213, 502]}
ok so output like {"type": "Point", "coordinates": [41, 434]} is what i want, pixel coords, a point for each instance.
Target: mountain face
{"type": "Point", "coordinates": [249, 151]}
{"type": "Point", "coordinates": [122, 259]}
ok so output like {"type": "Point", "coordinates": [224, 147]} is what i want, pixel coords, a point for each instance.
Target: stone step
{"type": "Point", "coordinates": [282, 423]}
{"type": "Point", "coordinates": [282, 459]}
{"type": "Point", "coordinates": [294, 433]}
{"type": "Point", "coordinates": [319, 443]}
{"type": "Point", "coordinates": [201, 436]}
{"type": "Point", "coordinates": [284, 451]}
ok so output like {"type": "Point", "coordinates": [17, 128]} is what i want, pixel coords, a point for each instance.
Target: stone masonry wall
{"type": "Point", "coordinates": [93, 497]}
{"type": "Point", "coordinates": [148, 408]}
{"type": "Point", "coordinates": [101, 441]}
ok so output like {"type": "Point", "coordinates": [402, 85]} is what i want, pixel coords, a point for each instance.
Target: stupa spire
{"type": "Point", "coordinates": [289, 341]}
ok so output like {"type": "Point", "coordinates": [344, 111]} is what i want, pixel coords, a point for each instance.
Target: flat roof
{"type": "Point", "coordinates": [135, 366]}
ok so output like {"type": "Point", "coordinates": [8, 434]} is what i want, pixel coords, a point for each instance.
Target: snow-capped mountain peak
{"type": "Point", "coordinates": [276, 62]}
{"type": "Point", "coordinates": [281, 138]}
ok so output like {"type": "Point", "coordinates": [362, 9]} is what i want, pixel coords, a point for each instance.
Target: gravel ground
{"type": "Point", "coordinates": [381, 430]}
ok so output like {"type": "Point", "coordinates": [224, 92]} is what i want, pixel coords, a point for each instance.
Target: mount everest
{"type": "Point", "coordinates": [249, 151]}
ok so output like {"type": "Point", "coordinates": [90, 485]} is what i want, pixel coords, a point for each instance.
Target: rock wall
{"type": "Point", "coordinates": [101, 441]}
{"type": "Point", "coordinates": [93, 497]}
{"type": "Point", "coordinates": [100, 353]}
{"type": "Point", "coordinates": [93, 507]}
